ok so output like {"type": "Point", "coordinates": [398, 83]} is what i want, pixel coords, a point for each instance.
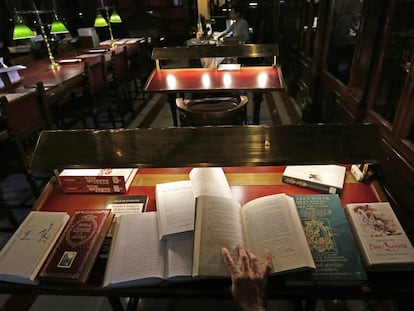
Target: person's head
{"type": "Point", "coordinates": [235, 12]}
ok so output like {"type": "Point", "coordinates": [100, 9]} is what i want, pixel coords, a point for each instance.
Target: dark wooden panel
{"type": "Point", "coordinates": [209, 146]}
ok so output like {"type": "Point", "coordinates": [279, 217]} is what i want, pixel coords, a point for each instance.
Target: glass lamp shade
{"type": "Point", "coordinates": [58, 27]}
{"type": "Point", "coordinates": [115, 18]}
{"type": "Point", "coordinates": [100, 21]}
{"type": "Point", "coordinates": [21, 31]}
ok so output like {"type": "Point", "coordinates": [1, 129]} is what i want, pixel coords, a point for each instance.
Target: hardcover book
{"type": "Point", "coordinates": [331, 242]}
{"type": "Point", "coordinates": [383, 243]}
{"type": "Point", "coordinates": [78, 246]}
{"type": "Point", "coordinates": [326, 178]}
{"type": "Point", "coordinates": [24, 254]}
{"type": "Point", "coordinates": [97, 180]}
{"type": "Point", "coordinates": [272, 223]}
{"type": "Point", "coordinates": [175, 201]}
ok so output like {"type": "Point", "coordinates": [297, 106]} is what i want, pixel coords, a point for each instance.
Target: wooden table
{"type": "Point", "coordinates": [246, 184]}
{"type": "Point", "coordinates": [207, 80]}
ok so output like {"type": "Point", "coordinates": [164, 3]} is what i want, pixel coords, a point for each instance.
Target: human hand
{"type": "Point", "coordinates": [249, 278]}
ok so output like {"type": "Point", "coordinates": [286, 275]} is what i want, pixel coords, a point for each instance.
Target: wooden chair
{"type": "Point", "coordinates": [92, 102]}
{"type": "Point", "coordinates": [24, 118]}
{"type": "Point", "coordinates": [212, 111]}
{"type": "Point", "coordinates": [118, 86]}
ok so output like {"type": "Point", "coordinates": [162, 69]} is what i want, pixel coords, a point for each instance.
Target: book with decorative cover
{"type": "Point", "coordinates": [326, 178]}
{"type": "Point", "coordinates": [383, 243]}
{"type": "Point", "coordinates": [330, 239]}
{"type": "Point", "coordinates": [78, 246]}
{"type": "Point", "coordinates": [24, 253]}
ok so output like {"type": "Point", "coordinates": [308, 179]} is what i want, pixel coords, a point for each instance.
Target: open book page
{"type": "Point", "coordinates": [136, 255]}
{"type": "Point", "coordinates": [272, 223]}
{"type": "Point", "coordinates": [179, 256]}
{"type": "Point", "coordinates": [210, 181]}
{"type": "Point", "coordinates": [175, 207]}
{"type": "Point", "coordinates": [217, 224]}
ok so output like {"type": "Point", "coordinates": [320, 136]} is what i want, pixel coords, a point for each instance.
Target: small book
{"type": "Point", "coordinates": [175, 201]}
{"type": "Point", "coordinates": [138, 257]}
{"type": "Point", "coordinates": [330, 239]}
{"type": "Point", "coordinates": [125, 204]}
{"type": "Point", "coordinates": [97, 180]}
{"type": "Point", "coordinates": [267, 223]}
{"type": "Point", "coordinates": [78, 246]}
{"type": "Point", "coordinates": [24, 254]}
{"type": "Point", "coordinates": [382, 241]}
{"type": "Point", "coordinates": [326, 178]}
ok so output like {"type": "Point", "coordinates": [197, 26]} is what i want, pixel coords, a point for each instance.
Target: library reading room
{"type": "Point", "coordinates": [177, 155]}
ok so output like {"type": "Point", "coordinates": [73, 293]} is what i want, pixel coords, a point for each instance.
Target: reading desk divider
{"type": "Point", "coordinates": [227, 146]}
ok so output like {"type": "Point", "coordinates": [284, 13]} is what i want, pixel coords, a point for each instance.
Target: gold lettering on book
{"type": "Point", "coordinates": [82, 230]}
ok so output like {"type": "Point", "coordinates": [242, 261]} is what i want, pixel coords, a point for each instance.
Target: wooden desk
{"type": "Point", "coordinates": [207, 80]}
{"type": "Point", "coordinates": [246, 183]}
{"type": "Point", "coordinates": [264, 78]}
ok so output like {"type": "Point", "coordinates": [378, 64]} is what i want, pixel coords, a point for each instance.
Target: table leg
{"type": "Point", "coordinates": [257, 100]}
{"type": "Point", "coordinates": [173, 107]}
{"type": "Point", "coordinates": [115, 303]}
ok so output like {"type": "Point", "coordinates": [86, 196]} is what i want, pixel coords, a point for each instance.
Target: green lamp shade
{"type": "Point", "coordinates": [115, 18]}
{"type": "Point", "coordinates": [100, 21]}
{"type": "Point", "coordinates": [58, 27]}
{"type": "Point", "coordinates": [21, 31]}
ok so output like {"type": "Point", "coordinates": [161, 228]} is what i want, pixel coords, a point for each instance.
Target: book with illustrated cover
{"type": "Point", "coordinates": [382, 241]}
{"type": "Point", "coordinates": [326, 178]}
{"type": "Point", "coordinates": [175, 201]}
{"type": "Point", "coordinates": [97, 180]}
{"type": "Point", "coordinates": [24, 254]}
{"type": "Point", "coordinates": [330, 239]}
{"type": "Point", "coordinates": [78, 246]}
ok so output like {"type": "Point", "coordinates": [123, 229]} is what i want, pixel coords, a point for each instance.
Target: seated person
{"type": "Point", "coordinates": [239, 28]}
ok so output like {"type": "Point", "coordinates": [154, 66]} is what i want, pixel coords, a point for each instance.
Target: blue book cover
{"type": "Point", "coordinates": [330, 239]}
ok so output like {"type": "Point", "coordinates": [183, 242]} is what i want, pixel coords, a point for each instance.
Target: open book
{"type": "Point", "coordinates": [138, 257]}
{"type": "Point", "coordinates": [176, 200]}
{"type": "Point", "coordinates": [267, 223]}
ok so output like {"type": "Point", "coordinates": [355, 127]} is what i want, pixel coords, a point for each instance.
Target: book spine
{"type": "Point", "coordinates": [93, 180]}
{"type": "Point", "coordinates": [358, 239]}
{"type": "Point", "coordinates": [311, 185]}
{"type": "Point", "coordinates": [82, 188]}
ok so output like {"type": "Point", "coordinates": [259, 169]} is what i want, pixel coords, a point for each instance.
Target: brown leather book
{"type": "Point", "coordinates": [76, 251]}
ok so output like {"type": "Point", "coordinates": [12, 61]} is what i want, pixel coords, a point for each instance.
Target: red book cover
{"type": "Point", "coordinates": [76, 251]}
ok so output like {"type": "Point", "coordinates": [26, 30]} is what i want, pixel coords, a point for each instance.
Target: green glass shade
{"type": "Point", "coordinates": [100, 21]}
{"type": "Point", "coordinates": [58, 27]}
{"type": "Point", "coordinates": [115, 18]}
{"type": "Point", "coordinates": [21, 31]}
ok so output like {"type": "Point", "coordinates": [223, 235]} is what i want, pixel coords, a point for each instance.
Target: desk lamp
{"type": "Point", "coordinates": [100, 21]}
{"type": "Point", "coordinates": [21, 30]}
{"type": "Point", "coordinates": [58, 27]}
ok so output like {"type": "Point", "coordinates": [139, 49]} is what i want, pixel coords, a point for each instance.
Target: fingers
{"type": "Point", "coordinates": [243, 259]}
{"type": "Point", "coordinates": [228, 261]}
{"type": "Point", "coordinates": [254, 262]}
{"type": "Point", "coordinates": [268, 264]}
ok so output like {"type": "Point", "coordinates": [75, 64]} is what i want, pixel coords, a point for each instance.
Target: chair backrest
{"type": "Point", "coordinates": [25, 117]}
{"type": "Point", "coordinates": [212, 111]}
{"type": "Point", "coordinates": [119, 63]}
{"type": "Point", "coordinates": [96, 75]}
